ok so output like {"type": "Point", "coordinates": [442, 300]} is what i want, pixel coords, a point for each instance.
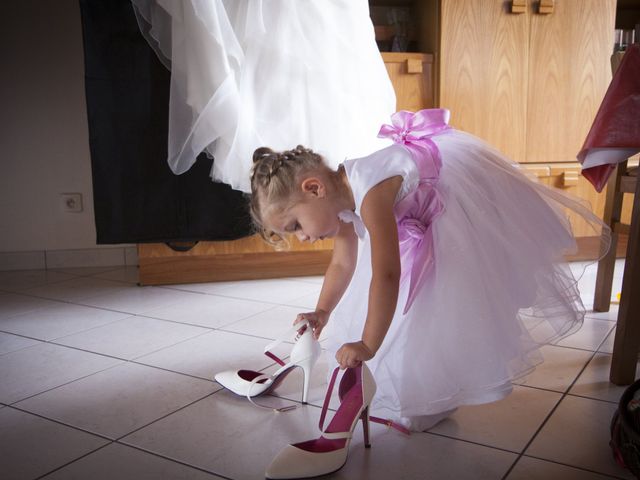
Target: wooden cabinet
{"type": "Point", "coordinates": [528, 83]}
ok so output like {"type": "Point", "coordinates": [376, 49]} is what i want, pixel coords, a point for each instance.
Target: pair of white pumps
{"type": "Point", "coordinates": [328, 453]}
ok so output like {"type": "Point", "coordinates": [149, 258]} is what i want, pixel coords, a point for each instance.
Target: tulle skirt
{"type": "Point", "coordinates": [275, 73]}
{"type": "Point", "coordinates": [500, 289]}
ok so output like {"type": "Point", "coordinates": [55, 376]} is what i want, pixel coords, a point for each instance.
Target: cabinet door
{"type": "Point", "coordinates": [483, 71]}
{"type": "Point", "coordinates": [569, 58]}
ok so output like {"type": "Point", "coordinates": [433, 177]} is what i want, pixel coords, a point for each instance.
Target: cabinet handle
{"type": "Point", "coordinates": [570, 178]}
{"type": "Point", "coordinates": [414, 65]}
{"type": "Point", "coordinates": [518, 6]}
{"type": "Point", "coordinates": [545, 7]}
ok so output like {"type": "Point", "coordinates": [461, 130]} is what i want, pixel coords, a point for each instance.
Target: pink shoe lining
{"type": "Point", "coordinates": [350, 393]}
{"type": "Point", "coordinates": [249, 375]}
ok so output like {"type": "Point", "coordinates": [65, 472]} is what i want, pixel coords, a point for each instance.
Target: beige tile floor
{"type": "Point", "coordinates": [103, 379]}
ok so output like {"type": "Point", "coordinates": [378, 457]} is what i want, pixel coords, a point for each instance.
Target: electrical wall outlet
{"type": "Point", "coordinates": [71, 202]}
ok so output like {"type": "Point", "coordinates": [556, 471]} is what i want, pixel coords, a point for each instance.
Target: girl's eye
{"type": "Point", "coordinates": [293, 228]}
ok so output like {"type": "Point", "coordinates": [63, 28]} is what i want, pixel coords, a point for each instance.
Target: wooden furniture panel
{"type": "Point", "coordinates": [569, 73]}
{"type": "Point", "coordinates": [483, 71]}
{"type": "Point", "coordinates": [527, 83]}
{"type": "Point", "coordinates": [411, 75]}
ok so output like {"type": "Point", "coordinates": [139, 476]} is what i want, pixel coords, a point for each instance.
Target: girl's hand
{"type": "Point", "coordinates": [353, 354]}
{"type": "Point", "coordinates": [317, 321]}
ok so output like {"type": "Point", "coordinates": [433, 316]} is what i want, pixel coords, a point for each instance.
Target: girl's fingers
{"type": "Point", "coordinates": [301, 318]}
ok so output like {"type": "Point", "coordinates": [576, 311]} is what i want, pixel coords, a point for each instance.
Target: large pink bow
{"type": "Point", "coordinates": [416, 212]}
{"type": "Point", "coordinates": [413, 131]}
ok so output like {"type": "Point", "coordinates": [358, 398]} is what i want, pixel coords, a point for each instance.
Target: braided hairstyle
{"type": "Point", "coordinates": [274, 181]}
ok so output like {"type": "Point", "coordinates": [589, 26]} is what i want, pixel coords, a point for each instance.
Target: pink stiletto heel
{"type": "Point", "coordinates": [365, 427]}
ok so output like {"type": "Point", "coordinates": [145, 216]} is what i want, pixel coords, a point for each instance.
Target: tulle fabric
{"type": "Point", "coordinates": [253, 73]}
{"type": "Point", "coordinates": [499, 290]}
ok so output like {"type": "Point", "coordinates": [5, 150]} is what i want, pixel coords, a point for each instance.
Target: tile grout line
{"type": "Point", "coordinates": [74, 460]}
{"type": "Point", "coordinates": [493, 447]}
{"type": "Point", "coordinates": [77, 302]}
{"type": "Point", "coordinates": [118, 439]}
{"type": "Point", "coordinates": [173, 460]}
{"type": "Point", "coordinates": [74, 427]}
{"type": "Point", "coordinates": [13, 404]}
{"type": "Point", "coordinates": [235, 297]}
{"type": "Point", "coordinates": [606, 475]}
{"type": "Point", "coordinates": [142, 314]}
{"type": "Point", "coordinates": [122, 361]}
{"type": "Point", "coordinates": [118, 442]}
{"type": "Point", "coordinates": [553, 410]}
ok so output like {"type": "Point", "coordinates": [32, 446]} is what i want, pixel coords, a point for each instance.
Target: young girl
{"type": "Point", "coordinates": [447, 271]}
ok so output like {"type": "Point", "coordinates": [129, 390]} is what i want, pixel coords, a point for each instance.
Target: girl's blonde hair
{"type": "Point", "coordinates": [274, 181]}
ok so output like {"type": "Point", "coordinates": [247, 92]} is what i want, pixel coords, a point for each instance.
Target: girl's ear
{"type": "Point", "coordinates": [313, 186]}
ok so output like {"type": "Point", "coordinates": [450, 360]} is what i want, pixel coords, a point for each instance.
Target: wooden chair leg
{"type": "Point", "coordinates": [627, 340]}
{"type": "Point", "coordinates": [604, 278]}
{"type": "Point", "coordinates": [606, 265]}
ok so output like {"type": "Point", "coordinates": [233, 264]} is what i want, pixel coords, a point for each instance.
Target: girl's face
{"type": "Point", "coordinates": [313, 217]}
{"type": "Point", "coordinates": [312, 220]}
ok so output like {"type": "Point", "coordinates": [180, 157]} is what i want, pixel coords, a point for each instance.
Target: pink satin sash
{"type": "Point", "coordinates": [416, 212]}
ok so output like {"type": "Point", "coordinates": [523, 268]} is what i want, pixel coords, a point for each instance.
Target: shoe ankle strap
{"type": "Point", "coordinates": [327, 398]}
{"type": "Point", "coordinates": [255, 404]}
{"type": "Point", "coordinates": [389, 423]}
{"type": "Point", "coordinates": [339, 435]}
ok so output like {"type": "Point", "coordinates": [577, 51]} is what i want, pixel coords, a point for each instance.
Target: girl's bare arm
{"type": "Point", "coordinates": [377, 214]}
{"type": "Point", "coordinates": [336, 279]}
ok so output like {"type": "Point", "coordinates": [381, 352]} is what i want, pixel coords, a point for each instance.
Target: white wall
{"type": "Point", "coordinates": [44, 144]}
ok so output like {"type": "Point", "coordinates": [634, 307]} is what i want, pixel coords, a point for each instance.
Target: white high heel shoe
{"type": "Point", "coordinates": [328, 453]}
{"type": "Point", "coordinates": [250, 384]}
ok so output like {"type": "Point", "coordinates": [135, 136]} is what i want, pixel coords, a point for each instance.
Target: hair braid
{"type": "Point", "coordinates": [274, 179]}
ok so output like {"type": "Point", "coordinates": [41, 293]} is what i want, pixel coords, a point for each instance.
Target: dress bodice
{"type": "Point", "coordinates": [366, 172]}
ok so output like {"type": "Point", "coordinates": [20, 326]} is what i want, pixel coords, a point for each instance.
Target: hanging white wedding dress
{"type": "Point", "coordinates": [277, 73]}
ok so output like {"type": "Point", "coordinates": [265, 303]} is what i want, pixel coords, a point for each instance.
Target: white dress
{"type": "Point", "coordinates": [496, 290]}
{"type": "Point", "coordinates": [276, 73]}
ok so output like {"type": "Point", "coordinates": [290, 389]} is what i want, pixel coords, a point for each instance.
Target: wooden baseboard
{"type": "Point", "coordinates": [250, 259]}
{"type": "Point", "coordinates": [218, 268]}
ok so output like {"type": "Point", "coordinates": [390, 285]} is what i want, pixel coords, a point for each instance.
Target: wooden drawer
{"type": "Point", "coordinates": [567, 177]}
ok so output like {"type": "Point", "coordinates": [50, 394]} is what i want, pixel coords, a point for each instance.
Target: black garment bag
{"type": "Point", "coordinates": [136, 196]}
